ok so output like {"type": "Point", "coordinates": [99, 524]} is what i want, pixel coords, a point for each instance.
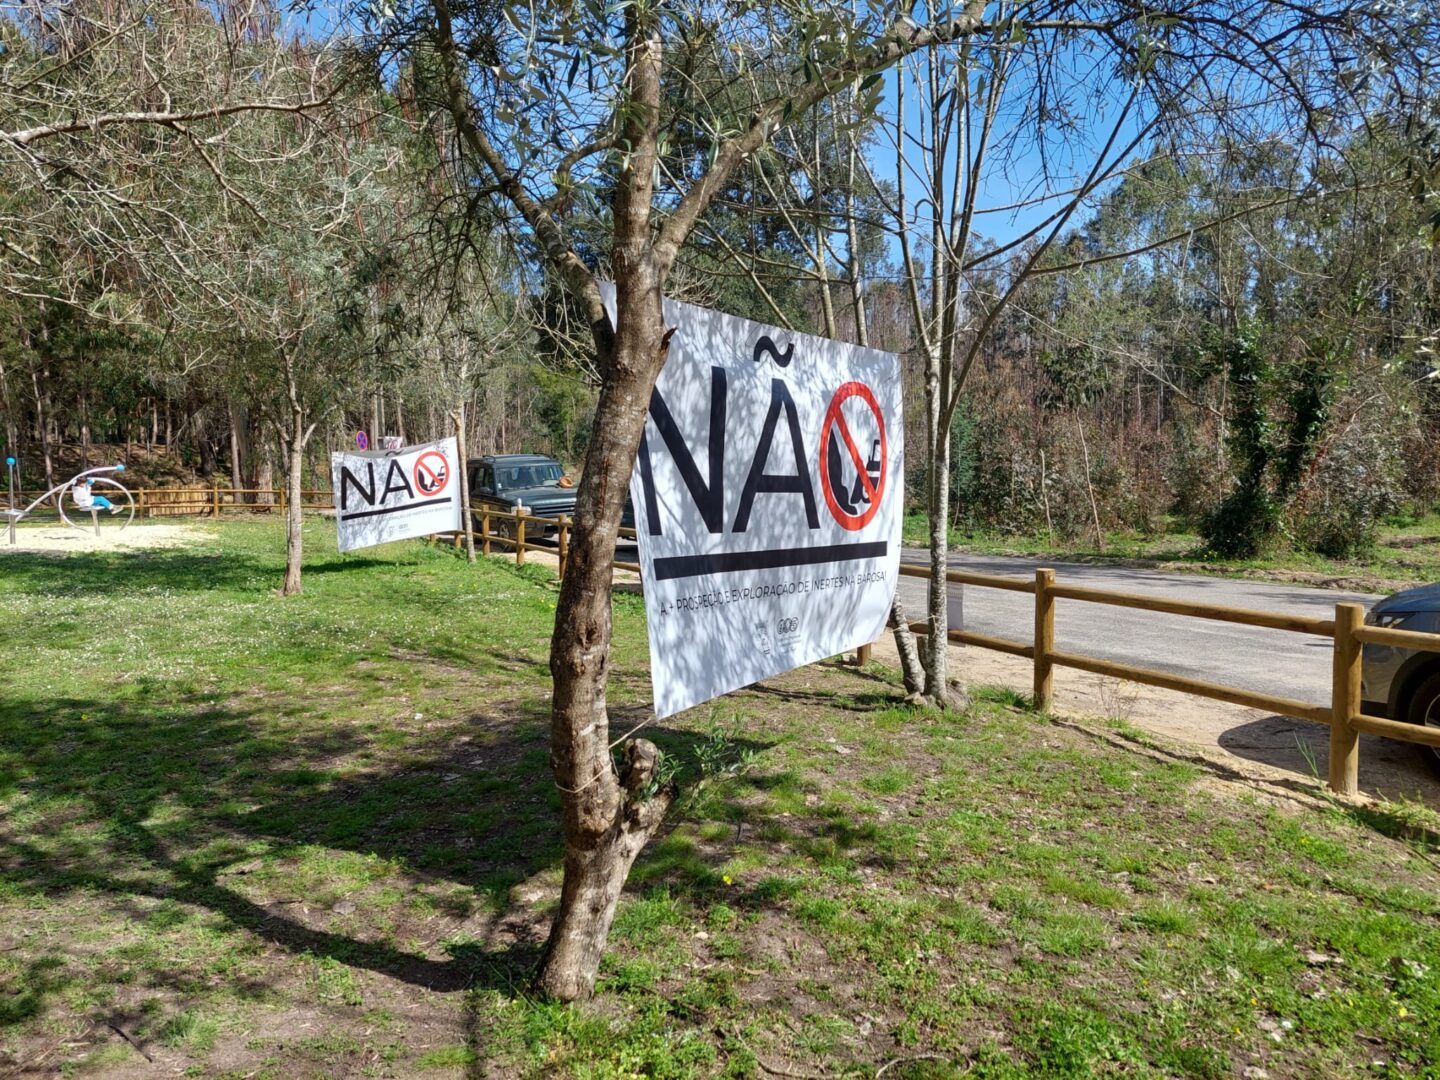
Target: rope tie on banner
{"type": "Point", "coordinates": [576, 791]}
{"type": "Point", "coordinates": [582, 787]}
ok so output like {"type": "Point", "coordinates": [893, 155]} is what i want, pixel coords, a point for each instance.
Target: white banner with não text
{"type": "Point", "coordinates": [768, 500]}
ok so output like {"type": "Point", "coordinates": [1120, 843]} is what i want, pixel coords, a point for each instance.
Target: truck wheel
{"type": "Point", "coordinates": [1424, 709]}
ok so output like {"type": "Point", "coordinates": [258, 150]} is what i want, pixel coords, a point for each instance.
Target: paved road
{"type": "Point", "coordinates": [1271, 661]}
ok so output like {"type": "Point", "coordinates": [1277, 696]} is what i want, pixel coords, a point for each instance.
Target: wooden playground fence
{"type": "Point", "coordinates": [208, 501]}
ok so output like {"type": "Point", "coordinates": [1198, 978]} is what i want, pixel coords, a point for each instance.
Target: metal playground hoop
{"type": "Point", "coordinates": [85, 481]}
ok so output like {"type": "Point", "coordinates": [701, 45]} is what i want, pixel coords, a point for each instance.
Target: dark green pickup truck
{"type": "Point", "coordinates": [505, 481]}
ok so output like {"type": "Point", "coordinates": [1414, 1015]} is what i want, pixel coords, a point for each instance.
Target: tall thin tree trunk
{"type": "Point", "coordinates": [42, 421]}
{"type": "Point", "coordinates": [468, 522]}
{"type": "Point", "coordinates": [12, 430]}
{"type": "Point", "coordinates": [294, 538]}
{"type": "Point", "coordinates": [937, 484]}
{"type": "Point", "coordinates": [265, 475]}
{"type": "Point", "coordinates": [910, 665]}
{"type": "Point", "coordinates": [239, 448]}
{"type": "Point", "coordinates": [1090, 487]}
{"type": "Point", "coordinates": [295, 441]}
{"type": "Point", "coordinates": [84, 425]}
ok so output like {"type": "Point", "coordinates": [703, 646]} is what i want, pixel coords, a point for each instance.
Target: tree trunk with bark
{"type": "Point", "coordinates": [937, 505]}
{"type": "Point", "coordinates": [42, 422]}
{"type": "Point", "coordinates": [910, 664]}
{"type": "Point", "coordinates": [294, 538]}
{"type": "Point", "coordinates": [609, 814]}
{"type": "Point", "coordinates": [295, 436]}
{"type": "Point", "coordinates": [265, 475]}
{"type": "Point", "coordinates": [239, 449]}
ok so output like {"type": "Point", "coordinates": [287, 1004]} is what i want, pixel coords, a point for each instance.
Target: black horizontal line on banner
{"type": "Point", "coordinates": [396, 509]}
{"type": "Point", "coordinates": [728, 562]}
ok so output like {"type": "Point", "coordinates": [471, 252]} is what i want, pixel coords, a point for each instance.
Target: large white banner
{"type": "Point", "coordinates": [392, 495]}
{"type": "Point", "coordinates": [767, 497]}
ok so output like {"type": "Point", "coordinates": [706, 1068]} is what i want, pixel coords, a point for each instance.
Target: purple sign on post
{"type": "Point", "coordinates": [362, 440]}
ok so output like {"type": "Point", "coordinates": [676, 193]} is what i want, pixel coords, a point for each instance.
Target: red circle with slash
{"type": "Point", "coordinates": [431, 472]}
{"type": "Point", "coordinates": [835, 418]}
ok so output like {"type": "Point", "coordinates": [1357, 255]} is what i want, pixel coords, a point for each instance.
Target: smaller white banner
{"type": "Point", "coordinates": [383, 496]}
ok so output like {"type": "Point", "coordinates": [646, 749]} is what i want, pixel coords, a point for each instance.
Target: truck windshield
{"type": "Point", "coordinates": [546, 474]}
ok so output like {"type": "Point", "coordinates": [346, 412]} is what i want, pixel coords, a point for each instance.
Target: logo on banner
{"type": "Point", "coordinates": [853, 504]}
{"type": "Point", "coordinates": [431, 472]}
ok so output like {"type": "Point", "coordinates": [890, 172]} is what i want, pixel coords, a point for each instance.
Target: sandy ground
{"type": "Point", "coordinates": [58, 539]}
{"type": "Point", "coordinates": [1234, 741]}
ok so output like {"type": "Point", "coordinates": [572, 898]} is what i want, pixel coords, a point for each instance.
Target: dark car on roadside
{"type": "Point", "coordinates": [504, 482]}
{"type": "Point", "coordinates": [1404, 684]}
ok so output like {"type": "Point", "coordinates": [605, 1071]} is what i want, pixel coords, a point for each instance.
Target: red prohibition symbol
{"type": "Point", "coordinates": [431, 472]}
{"type": "Point", "coordinates": [840, 502]}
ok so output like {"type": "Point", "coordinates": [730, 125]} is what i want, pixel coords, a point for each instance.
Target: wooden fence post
{"type": "Point", "coordinates": [215, 500]}
{"type": "Point", "coordinates": [1044, 640]}
{"type": "Point", "coordinates": [862, 655]}
{"type": "Point", "coordinates": [1345, 701]}
{"type": "Point", "coordinates": [520, 513]}
{"type": "Point", "coordinates": [562, 545]}
{"type": "Point", "coordinates": [485, 528]}
{"type": "Point", "coordinates": [140, 508]}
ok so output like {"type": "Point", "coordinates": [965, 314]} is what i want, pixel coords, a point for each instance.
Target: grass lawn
{"type": "Point", "coordinates": [1403, 555]}
{"type": "Point", "coordinates": [251, 837]}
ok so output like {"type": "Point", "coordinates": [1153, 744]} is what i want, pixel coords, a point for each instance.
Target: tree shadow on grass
{"type": "Point", "coordinates": [133, 802]}
{"type": "Point", "coordinates": [189, 569]}
{"type": "Point", "coordinates": [142, 804]}
{"type": "Point", "coordinates": [88, 573]}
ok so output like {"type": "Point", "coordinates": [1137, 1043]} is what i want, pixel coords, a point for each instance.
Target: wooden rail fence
{"type": "Point", "coordinates": [515, 530]}
{"type": "Point", "coordinates": [1347, 631]}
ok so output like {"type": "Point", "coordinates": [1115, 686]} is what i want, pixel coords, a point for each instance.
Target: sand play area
{"type": "Point", "coordinates": [58, 539]}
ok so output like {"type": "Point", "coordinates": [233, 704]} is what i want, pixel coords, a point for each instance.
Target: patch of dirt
{"type": "Point", "coordinates": [1371, 583]}
{"type": "Point", "coordinates": [1276, 752]}
{"type": "Point", "coordinates": [1405, 543]}
{"type": "Point", "coordinates": [60, 540]}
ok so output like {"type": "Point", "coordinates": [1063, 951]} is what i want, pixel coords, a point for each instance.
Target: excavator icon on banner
{"type": "Point", "coordinates": [850, 498]}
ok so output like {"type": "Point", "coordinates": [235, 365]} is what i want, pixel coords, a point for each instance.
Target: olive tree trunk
{"type": "Point", "coordinates": [609, 812]}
